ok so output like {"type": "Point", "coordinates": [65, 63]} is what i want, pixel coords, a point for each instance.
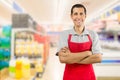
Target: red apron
{"type": "Point", "coordinates": [79, 71]}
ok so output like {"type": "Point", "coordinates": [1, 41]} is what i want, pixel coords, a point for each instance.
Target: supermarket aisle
{"type": "Point", "coordinates": [54, 69]}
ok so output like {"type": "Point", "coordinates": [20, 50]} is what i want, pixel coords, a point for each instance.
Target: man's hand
{"type": "Point", "coordinates": [65, 55]}
{"type": "Point", "coordinates": [64, 52]}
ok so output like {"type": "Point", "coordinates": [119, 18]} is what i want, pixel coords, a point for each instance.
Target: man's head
{"type": "Point", "coordinates": [78, 14]}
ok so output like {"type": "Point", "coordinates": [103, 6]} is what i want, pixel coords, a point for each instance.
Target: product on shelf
{"type": "Point", "coordinates": [6, 54]}
{"type": "Point", "coordinates": [39, 66]}
{"type": "Point", "coordinates": [3, 64]}
{"type": "Point", "coordinates": [6, 30]}
{"type": "Point", "coordinates": [26, 68]}
{"type": "Point", "coordinates": [12, 64]}
{"type": "Point", "coordinates": [28, 46]}
{"type": "Point", "coordinates": [1, 54]}
{"type": "Point", "coordinates": [18, 67]}
{"type": "Point", "coordinates": [5, 42]}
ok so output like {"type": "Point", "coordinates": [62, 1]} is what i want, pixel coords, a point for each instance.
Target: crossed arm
{"type": "Point", "coordinates": [85, 57]}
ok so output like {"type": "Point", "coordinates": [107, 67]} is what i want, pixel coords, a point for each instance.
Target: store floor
{"type": "Point", "coordinates": [54, 69]}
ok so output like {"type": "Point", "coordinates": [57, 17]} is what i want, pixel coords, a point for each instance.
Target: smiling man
{"type": "Point", "coordinates": [79, 48]}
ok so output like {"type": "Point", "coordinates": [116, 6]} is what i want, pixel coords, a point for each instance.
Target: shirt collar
{"type": "Point", "coordinates": [85, 32]}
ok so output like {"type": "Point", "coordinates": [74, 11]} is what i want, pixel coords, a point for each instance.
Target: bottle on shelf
{"type": "Point", "coordinates": [12, 65]}
{"type": "Point", "coordinates": [18, 67]}
{"type": "Point", "coordinates": [26, 68]}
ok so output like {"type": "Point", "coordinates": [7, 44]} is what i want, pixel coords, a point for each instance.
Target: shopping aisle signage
{"type": "Point", "coordinates": [112, 11]}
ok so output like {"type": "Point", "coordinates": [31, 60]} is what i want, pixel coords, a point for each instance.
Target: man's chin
{"type": "Point", "coordinates": [79, 25]}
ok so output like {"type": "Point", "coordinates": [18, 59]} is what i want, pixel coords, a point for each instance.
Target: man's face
{"type": "Point", "coordinates": [78, 16]}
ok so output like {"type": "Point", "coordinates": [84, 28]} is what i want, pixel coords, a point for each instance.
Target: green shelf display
{"type": "Point", "coordinates": [5, 46]}
{"type": "Point", "coordinates": [5, 42]}
{"type": "Point", "coordinates": [6, 30]}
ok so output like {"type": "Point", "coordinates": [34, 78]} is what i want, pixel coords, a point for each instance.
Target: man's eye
{"type": "Point", "coordinates": [75, 13]}
{"type": "Point", "coordinates": [81, 13]}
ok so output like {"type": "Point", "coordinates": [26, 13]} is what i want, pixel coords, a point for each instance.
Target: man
{"type": "Point", "coordinates": [79, 48]}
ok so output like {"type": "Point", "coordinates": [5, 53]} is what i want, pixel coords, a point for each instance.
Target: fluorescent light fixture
{"type": "Point", "coordinates": [7, 3]}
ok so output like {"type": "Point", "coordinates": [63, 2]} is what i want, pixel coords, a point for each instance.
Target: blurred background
{"type": "Point", "coordinates": [29, 34]}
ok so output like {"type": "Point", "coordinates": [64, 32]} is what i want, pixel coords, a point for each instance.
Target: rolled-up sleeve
{"type": "Point", "coordinates": [96, 47]}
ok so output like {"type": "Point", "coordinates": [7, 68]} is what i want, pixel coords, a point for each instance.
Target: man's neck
{"type": "Point", "coordinates": [79, 29]}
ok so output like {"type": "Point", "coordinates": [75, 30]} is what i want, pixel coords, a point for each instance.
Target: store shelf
{"type": "Point", "coordinates": [5, 75]}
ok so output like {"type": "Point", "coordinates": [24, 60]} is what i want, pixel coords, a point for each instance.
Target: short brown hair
{"type": "Point", "coordinates": [78, 6]}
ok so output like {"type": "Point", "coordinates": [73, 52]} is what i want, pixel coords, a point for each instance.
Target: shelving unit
{"type": "Point", "coordinates": [28, 42]}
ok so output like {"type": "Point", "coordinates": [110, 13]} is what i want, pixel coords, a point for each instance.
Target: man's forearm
{"type": "Point", "coordinates": [81, 55]}
{"type": "Point", "coordinates": [75, 57]}
{"type": "Point", "coordinates": [96, 58]}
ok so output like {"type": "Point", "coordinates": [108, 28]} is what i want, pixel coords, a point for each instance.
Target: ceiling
{"type": "Point", "coordinates": [58, 11]}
